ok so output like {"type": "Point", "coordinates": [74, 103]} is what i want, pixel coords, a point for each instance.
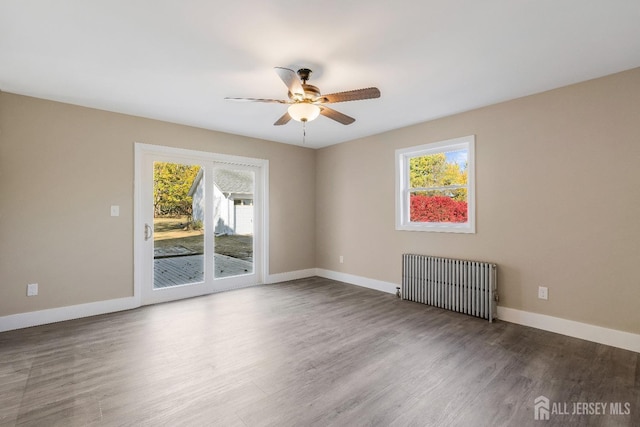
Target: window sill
{"type": "Point", "coordinates": [437, 228]}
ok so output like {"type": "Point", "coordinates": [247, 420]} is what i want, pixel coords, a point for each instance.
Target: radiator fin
{"type": "Point", "coordinates": [459, 285]}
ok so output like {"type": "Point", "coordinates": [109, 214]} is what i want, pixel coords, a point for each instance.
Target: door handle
{"type": "Point", "coordinates": [148, 232]}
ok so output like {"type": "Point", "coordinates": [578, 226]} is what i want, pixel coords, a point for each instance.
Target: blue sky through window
{"type": "Point", "coordinates": [460, 157]}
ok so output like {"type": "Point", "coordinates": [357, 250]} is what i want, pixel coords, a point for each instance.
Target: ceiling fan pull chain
{"type": "Point", "coordinates": [304, 132]}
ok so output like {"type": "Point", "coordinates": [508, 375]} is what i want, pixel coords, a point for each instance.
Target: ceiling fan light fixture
{"type": "Point", "coordinates": [303, 111]}
{"type": "Point", "coordinates": [306, 102]}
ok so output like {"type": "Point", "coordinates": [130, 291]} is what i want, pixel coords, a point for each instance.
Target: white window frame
{"type": "Point", "coordinates": [403, 221]}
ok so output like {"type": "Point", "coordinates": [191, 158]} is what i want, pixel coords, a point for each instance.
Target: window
{"type": "Point", "coordinates": [435, 187]}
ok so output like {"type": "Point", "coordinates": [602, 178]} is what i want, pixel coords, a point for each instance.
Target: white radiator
{"type": "Point", "coordinates": [468, 287]}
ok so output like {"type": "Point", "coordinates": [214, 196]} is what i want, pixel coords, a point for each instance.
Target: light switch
{"type": "Point", "coordinates": [32, 289]}
{"type": "Point", "coordinates": [115, 210]}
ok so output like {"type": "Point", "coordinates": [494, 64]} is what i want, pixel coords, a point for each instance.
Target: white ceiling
{"type": "Point", "coordinates": [177, 60]}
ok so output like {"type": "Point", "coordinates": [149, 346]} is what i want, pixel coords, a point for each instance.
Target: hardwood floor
{"type": "Point", "coordinates": [310, 352]}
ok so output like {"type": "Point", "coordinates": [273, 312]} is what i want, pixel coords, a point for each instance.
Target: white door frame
{"type": "Point", "coordinates": [143, 262]}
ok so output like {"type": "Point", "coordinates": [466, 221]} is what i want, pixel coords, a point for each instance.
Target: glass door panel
{"type": "Point", "coordinates": [233, 219]}
{"type": "Point", "coordinates": [178, 233]}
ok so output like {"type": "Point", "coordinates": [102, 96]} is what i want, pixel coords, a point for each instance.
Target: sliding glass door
{"type": "Point", "coordinates": [199, 222]}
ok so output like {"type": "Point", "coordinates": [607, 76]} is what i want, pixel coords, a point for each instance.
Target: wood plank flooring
{"type": "Point", "coordinates": [310, 352]}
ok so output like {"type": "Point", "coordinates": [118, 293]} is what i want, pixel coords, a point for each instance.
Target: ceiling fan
{"type": "Point", "coordinates": [306, 102]}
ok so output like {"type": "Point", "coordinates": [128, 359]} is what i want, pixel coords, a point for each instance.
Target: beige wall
{"type": "Point", "coordinates": [558, 202]}
{"type": "Point", "coordinates": [63, 166]}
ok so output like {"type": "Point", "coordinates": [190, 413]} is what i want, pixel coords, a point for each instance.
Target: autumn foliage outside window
{"type": "Point", "coordinates": [171, 184]}
{"type": "Point", "coordinates": [437, 209]}
{"type": "Point", "coordinates": [438, 187]}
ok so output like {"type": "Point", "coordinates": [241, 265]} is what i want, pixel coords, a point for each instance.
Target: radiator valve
{"type": "Point", "coordinates": [398, 292]}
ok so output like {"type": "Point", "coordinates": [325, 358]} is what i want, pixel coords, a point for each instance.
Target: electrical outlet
{"type": "Point", "coordinates": [341, 259]}
{"type": "Point", "coordinates": [32, 289]}
{"type": "Point", "coordinates": [543, 292]}
{"type": "Point", "coordinates": [115, 210]}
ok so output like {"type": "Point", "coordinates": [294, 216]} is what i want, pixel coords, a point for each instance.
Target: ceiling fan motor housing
{"type": "Point", "coordinates": [304, 74]}
{"type": "Point", "coordinates": [310, 92]}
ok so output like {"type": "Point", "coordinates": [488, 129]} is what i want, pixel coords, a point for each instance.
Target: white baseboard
{"type": "Point", "coordinates": [612, 337]}
{"type": "Point", "coordinates": [585, 331]}
{"type": "Point", "coordinates": [53, 315]}
{"type": "Point", "coordinates": [365, 282]}
{"type": "Point", "coordinates": [60, 314]}
{"type": "Point", "coordinates": [291, 275]}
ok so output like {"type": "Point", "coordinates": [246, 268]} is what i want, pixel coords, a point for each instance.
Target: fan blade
{"type": "Point", "coordinates": [352, 95]}
{"type": "Point", "coordinates": [290, 79]}
{"type": "Point", "coordinates": [279, 101]}
{"type": "Point", "coordinates": [283, 120]}
{"type": "Point", "coordinates": [336, 115]}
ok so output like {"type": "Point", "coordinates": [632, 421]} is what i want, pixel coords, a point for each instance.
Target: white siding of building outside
{"type": "Point", "coordinates": [222, 213]}
{"type": "Point", "coordinates": [244, 219]}
{"type": "Point", "coordinates": [227, 217]}
{"type": "Point", "coordinates": [223, 207]}
{"type": "Point", "coordinates": [198, 203]}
